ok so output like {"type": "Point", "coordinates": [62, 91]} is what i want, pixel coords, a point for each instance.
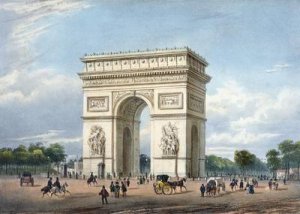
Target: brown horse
{"type": "Point", "coordinates": [179, 183]}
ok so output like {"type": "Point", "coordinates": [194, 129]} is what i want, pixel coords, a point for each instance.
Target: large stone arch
{"type": "Point", "coordinates": [117, 87]}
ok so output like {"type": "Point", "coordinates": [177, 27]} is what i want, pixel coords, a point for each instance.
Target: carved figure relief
{"type": "Point", "coordinates": [96, 104]}
{"type": "Point", "coordinates": [117, 95]}
{"type": "Point", "coordinates": [170, 101]}
{"type": "Point", "coordinates": [97, 141]}
{"type": "Point", "coordinates": [148, 94]}
{"type": "Point", "coordinates": [169, 141]}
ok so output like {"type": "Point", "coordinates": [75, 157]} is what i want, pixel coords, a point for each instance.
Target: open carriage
{"type": "Point", "coordinates": [162, 186]}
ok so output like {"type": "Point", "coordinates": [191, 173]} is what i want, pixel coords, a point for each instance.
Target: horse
{"type": "Point", "coordinates": [179, 183]}
{"type": "Point", "coordinates": [92, 180]}
{"type": "Point", "coordinates": [46, 190]}
{"type": "Point", "coordinates": [211, 188]}
{"type": "Point", "coordinates": [62, 189]}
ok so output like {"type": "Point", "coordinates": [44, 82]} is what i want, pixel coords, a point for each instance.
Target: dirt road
{"type": "Point", "coordinates": [142, 199]}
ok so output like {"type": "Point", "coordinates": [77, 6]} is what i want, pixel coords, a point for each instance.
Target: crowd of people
{"type": "Point", "coordinates": [120, 186]}
{"type": "Point", "coordinates": [247, 185]}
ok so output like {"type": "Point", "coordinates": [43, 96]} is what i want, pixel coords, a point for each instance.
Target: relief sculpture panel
{"type": "Point", "coordinates": [169, 140]}
{"type": "Point", "coordinates": [170, 101]}
{"type": "Point", "coordinates": [97, 104]}
{"type": "Point", "coordinates": [96, 141]}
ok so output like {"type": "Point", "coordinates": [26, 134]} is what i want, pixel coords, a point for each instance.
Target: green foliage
{"type": "Point", "coordinates": [273, 160]}
{"type": "Point", "coordinates": [219, 164]}
{"type": "Point", "coordinates": [35, 155]}
{"type": "Point", "coordinates": [20, 154]}
{"type": "Point", "coordinates": [56, 153]}
{"type": "Point", "coordinates": [288, 155]}
{"type": "Point", "coordinates": [243, 159]}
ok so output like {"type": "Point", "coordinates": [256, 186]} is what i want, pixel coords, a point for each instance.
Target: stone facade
{"type": "Point", "coordinates": [118, 86]}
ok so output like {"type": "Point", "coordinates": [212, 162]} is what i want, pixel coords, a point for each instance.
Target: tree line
{"type": "Point", "coordinates": [35, 155]}
{"type": "Point", "coordinates": [286, 156]}
{"type": "Point", "coordinates": [244, 163]}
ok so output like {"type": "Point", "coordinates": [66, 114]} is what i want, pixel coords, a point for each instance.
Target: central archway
{"type": "Point", "coordinates": [128, 119]}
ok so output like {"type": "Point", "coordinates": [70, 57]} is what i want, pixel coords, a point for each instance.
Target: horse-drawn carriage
{"type": "Point", "coordinates": [26, 178]}
{"type": "Point", "coordinates": [163, 186]}
{"type": "Point", "coordinates": [214, 185]}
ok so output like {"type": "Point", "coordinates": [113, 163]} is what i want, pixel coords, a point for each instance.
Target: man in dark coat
{"type": "Point", "coordinates": [49, 183]}
{"type": "Point", "coordinates": [202, 190]}
{"type": "Point", "coordinates": [57, 184]}
{"type": "Point", "coordinates": [104, 194]}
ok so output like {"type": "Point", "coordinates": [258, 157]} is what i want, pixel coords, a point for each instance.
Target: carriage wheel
{"type": "Point", "coordinates": [167, 189]}
{"type": "Point", "coordinates": [157, 189]}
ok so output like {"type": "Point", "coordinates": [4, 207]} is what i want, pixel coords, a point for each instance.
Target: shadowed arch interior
{"type": "Point", "coordinates": [128, 128]}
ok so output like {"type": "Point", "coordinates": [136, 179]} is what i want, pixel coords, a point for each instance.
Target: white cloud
{"type": "Point", "coordinates": [239, 138]}
{"type": "Point", "coordinates": [50, 137]}
{"type": "Point", "coordinates": [238, 117]}
{"type": "Point", "coordinates": [32, 19]}
{"type": "Point", "coordinates": [26, 88]}
{"type": "Point", "coordinates": [278, 68]}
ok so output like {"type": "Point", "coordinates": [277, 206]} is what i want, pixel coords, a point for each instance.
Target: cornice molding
{"type": "Point", "coordinates": [145, 54]}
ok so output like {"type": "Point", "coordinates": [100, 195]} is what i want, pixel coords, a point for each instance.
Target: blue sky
{"type": "Point", "coordinates": [253, 48]}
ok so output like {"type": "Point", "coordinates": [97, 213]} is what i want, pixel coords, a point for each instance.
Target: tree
{"type": "Point", "coordinates": [243, 158]}
{"type": "Point", "coordinates": [286, 148]}
{"type": "Point", "coordinates": [20, 155]}
{"type": "Point", "coordinates": [296, 157]}
{"type": "Point", "coordinates": [6, 156]}
{"type": "Point", "coordinates": [35, 146]}
{"type": "Point", "coordinates": [56, 153]}
{"type": "Point", "coordinates": [37, 157]}
{"type": "Point", "coordinates": [217, 164]}
{"type": "Point", "coordinates": [273, 161]}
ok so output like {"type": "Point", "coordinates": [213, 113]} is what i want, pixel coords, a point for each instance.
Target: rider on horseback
{"type": "Point", "coordinates": [49, 183]}
{"type": "Point", "coordinates": [57, 184]}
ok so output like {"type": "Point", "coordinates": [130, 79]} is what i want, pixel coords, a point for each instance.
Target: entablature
{"type": "Point", "coordinates": [145, 60]}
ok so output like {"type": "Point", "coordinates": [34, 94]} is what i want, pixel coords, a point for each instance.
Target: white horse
{"type": "Point", "coordinates": [63, 189]}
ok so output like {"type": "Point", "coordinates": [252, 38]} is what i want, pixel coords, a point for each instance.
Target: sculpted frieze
{"type": "Point", "coordinates": [134, 80]}
{"type": "Point", "coordinates": [137, 63]}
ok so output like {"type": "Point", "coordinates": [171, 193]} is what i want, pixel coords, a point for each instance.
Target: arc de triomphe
{"type": "Point", "coordinates": [116, 89]}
